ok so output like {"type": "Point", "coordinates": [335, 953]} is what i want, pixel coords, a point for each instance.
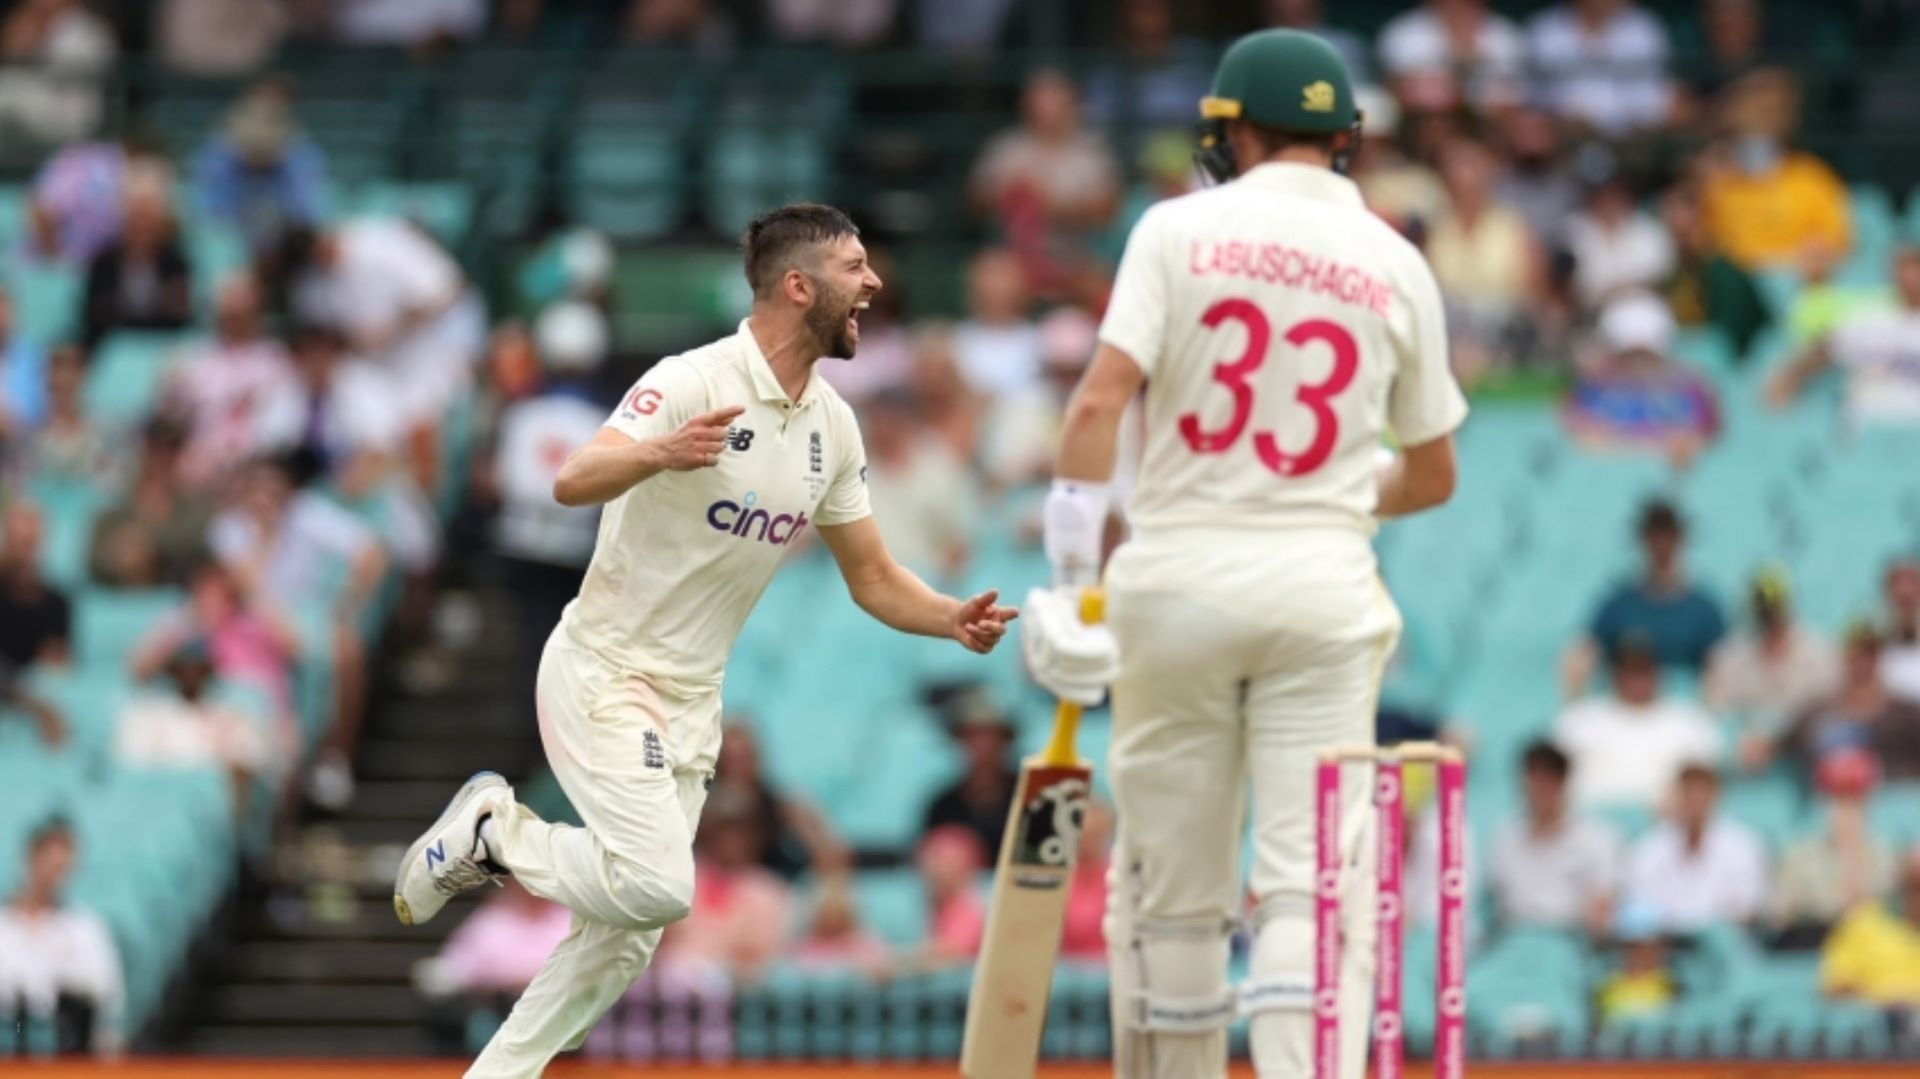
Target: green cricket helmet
{"type": "Point", "coordinates": [1285, 79]}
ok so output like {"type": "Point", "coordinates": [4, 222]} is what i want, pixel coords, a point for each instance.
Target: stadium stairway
{"type": "Point", "coordinates": [318, 965]}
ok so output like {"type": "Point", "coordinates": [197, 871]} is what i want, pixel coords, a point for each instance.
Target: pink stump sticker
{"type": "Point", "coordinates": [1389, 1047]}
{"type": "Point", "coordinates": [1450, 1033]}
{"type": "Point", "coordinates": [1326, 921]}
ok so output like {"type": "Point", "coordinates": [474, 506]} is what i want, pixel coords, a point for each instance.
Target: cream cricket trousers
{"type": "Point", "coordinates": [1244, 656]}
{"type": "Point", "coordinates": [634, 755]}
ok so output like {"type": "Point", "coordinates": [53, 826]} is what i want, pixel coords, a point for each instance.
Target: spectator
{"type": "Point", "coordinates": [501, 946]}
{"type": "Point", "coordinates": [248, 640]}
{"type": "Point", "coordinates": [57, 55]}
{"type": "Point", "coordinates": [845, 24]}
{"type": "Point", "coordinates": [1538, 182]}
{"type": "Point", "coordinates": [342, 406]}
{"type": "Point", "coordinates": [1403, 190]}
{"type": "Point", "coordinates": [1698, 868]}
{"type": "Point", "coordinates": [219, 38]}
{"type": "Point", "coordinates": [977, 801]}
{"type": "Point", "coordinates": [1602, 64]}
{"type": "Point", "coordinates": [1900, 648]}
{"type": "Point", "coordinates": [157, 529]}
{"type": "Point", "coordinates": [80, 194]}
{"type": "Point", "coordinates": [1735, 41]}
{"type": "Point", "coordinates": [928, 496]}
{"type": "Point", "coordinates": [58, 962]}
{"type": "Point", "coordinates": [1307, 15]}
{"type": "Point", "coordinates": [948, 405]}
{"type": "Point", "coordinates": [998, 346]}
{"type": "Point", "coordinates": [1825, 874]}
{"type": "Point", "coordinates": [1617, 248]}
{"type": "Point", "coordinates": [1772, 671]}
{"type": "Point", "coordinates": [1680, 619]}
{"type": "Point", "coordinates": [1862, 714]}
{"type": "Point", "coordinates": [739, 910]}
{"type": "Point", "coordinates": [1765, 202]}
{"type": "Point", "coordinates": [1873, 955]}
{"type": "Point", "coordinates": [182, 726]}
{"type": "Point", "coordinates": [1641, 985]}
{"type": "Point", "coordinates": [20, 702]}
{"type": "Point", "coordinates": [968, 30]}
{"type": "Point", "coordinates": [834, 937]}
{"type": "Point", "coordinates": [1632, 396]}
{"type": "Point", "coordinates": [1707, 288]}
{"type": "Point", "coordinates": [140, 281]}
{"type": "Point", "coordinates": [1083, 935]}
{"type": "Point", "coordinates": [1156, 79]}
{"type": "Point", "coordinates": [407, 23]}
{"type": "Point", "coordinates": [68, 448]}
{"type": "Point", "coordinates": [1553, 867]}
{"type": "Point", "coordinates": [1876, 348]}
{"type": "Point", "coordinates": [1050, 182]}
{"type": "Point", "coordinates": [1629, 746]}
{"type": "Point", "coordinates": [1448, 53]}
{"type": "Point", "coordinates": [793, 835]}
{"type": "Point", "coordinates": [23, 377]}
{"type": "Point", "coordinates": [230, 393]}
{"type": "Point", "coordinates": [684, 24]}
{"type": "Point", "coordinates": [949, 860]}
{"type": "Point", "coordinates": [1483, 255]}
{"type": "Point", "coordinates": [262, 175]}
{"type": "Point", "coordinates": [35, 618]}
{"type": "Point", "coordinates": [1022, 432]}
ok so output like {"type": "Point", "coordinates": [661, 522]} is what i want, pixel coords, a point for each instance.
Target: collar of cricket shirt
{"type": "Point", "coordinates": [765, 383]}
{"type": "Point", "coordinates": [1311, 181]}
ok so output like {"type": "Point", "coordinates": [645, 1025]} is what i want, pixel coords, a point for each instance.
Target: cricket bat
{"type": "Point", "coordinates": [1014, 975]}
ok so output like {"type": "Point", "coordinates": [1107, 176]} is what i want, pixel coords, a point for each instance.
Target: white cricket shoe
{"type": "Point", "coordinates": [448, 859]}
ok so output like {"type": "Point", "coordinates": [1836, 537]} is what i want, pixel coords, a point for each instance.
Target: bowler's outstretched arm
{"type": "Point", "coordinates": [895, 596]}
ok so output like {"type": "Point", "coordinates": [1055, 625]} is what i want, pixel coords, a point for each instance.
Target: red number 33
{"type": "Point", "coordinates": [1316, 396]}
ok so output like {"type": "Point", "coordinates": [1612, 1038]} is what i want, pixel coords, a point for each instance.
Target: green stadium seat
{"type": "Point", "coordinates": [127, 375]}
{"type": "Point", "coordinates": [108, 623]}
{"type": "Point", "coordinates": [46, 301]}
{"type": "Point", "coordinates": [443, 208]}
{"type": "Point", "coordinates": [892, 905]}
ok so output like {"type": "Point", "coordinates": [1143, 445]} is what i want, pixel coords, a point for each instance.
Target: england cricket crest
{"type": "Point", "coordinates": [1049, 827]}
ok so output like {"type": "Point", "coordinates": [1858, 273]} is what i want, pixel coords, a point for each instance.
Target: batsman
{"type": "Point", "coordinates": [1281, 334]}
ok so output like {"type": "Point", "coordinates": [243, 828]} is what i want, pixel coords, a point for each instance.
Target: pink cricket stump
{"type": "Point", "coordinates": [1389, 1046]}
{"type": "Point", "coordinates": [1450, 1034]}
{"type": "Point", "coordinates": [1326, 920]}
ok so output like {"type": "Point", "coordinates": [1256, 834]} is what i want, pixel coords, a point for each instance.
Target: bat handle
{"type": "Point", "coordinates": [1061, 751]}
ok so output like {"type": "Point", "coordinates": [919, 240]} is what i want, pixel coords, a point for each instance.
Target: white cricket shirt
{"type": "Point", "coordinates": [1284, 330]}
{"type": "Point", "coordinates": [681, 559]}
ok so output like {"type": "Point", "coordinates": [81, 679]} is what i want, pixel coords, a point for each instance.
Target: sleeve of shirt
{"type": "Point", "coordinates": [1136, 318]}
{"type": "Point", "coordinates": [668, 395]}
{"type": "Point", "coordinates": [109, 984]}
{"type": "Point", "coordinates": [846, 500]}
{"type": "Point", "coordinates": [1749, 886]}
{"type": "Point", "coordinates": [333, 529]}
{"type": "Point", "coordinates": [427, 273]}
{"type": "Point", "coordinates": [1426, 402]}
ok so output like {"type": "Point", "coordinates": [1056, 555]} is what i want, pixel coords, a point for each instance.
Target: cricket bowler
{"type": "Point", "coordinates": [715, 462]}
{"type": "Point", "coordinates": [1280, 331]}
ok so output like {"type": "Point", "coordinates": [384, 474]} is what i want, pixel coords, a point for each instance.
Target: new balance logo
{"type": "Point", "coordinates": [436, 855]}
{"type": "Point", "coordinates": [654, 752]}
{"type": "Point", "coordinates": [739, 439]}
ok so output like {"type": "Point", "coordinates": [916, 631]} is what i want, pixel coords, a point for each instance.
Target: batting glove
{"type": "Point", "coordinates": [1073, 660]}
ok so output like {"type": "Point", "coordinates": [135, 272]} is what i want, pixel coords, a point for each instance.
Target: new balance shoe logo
{"type": "Point", "coordinates": [436, 855]}
{"type": "Point", "coordinates": [655, 753]}
{"type": "Point", "coordinates": [739, 439]}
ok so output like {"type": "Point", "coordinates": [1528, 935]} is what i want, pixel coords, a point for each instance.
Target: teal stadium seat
{"type": "Point", "coordinates": [127, 375]}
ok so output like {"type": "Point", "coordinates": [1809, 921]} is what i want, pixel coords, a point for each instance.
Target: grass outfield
{"type": "Point", "coordinates": [293, 1069]}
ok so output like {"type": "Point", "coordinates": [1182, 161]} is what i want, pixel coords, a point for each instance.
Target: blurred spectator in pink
{"type": "Point", "coordinates": [80, 194]}
{"type": "Point", "coordinates": [740, 910]}
{"type": "Point", "coordinates": [501, 946]}
{"type": "Point", "coordinates": [1900, 650]}
{"type": "Point", "coordinates": [140, 281]}
{"type": "Point", "coordinates": [834, 938]}
{"type": "Point", "coordinates": [1825, 874]}
{"type": "Point", "coordinates": [793, 836]}
{"type": "Point", "coordinates": [262, 175]}
{"type": "Point", "coordinates": [230, 391]}
{"type": "Point", "coordinates": [1617, 247]}
{"type": "Point", "coordinates": [1628, 746]}
{"type": "Point", "coordinates": [35, 618]}
{"type": "Point", "coordinates": [1448, 53]}
{"type": "Point", "coordinates": [949, 406]}
{"type": "Point", "coordinates": [1484, 256]}
{"type": "Point", "coordinates": [58, 962]}
{"type": "Point", "coordinates": [68, 447]}
{"type": "Point", "coordinates": [1538, 180]}
{"type": "Point", "coordinates": [1309, 15]}
{"type": "Point", "coordinates": [928, 494]}
{"type": "Point", "coordinates": [249, 641]}
{"type": "Point", "coordinates": [406, 23]}
{"type": "Point", "coordinates": [1767, 203]}
{"type": "Point", "coordinates": [178, 722]}
{"type": "Point", "coordinates": [1772, 670]}
{"type": "Point", "coordinates": [949, 860]}
{"type": "Point", "coordinates": [157, 528]}
{"type": "Point", "coordinates": [1699, 867]}
{"type": "Point", "coordinates": [1662, 605]}
{"type": "Point", "coordinates": [1156, 77]}
{"type": "Point", "coordinates": [1876, 347]}
{"type": "Point", "coordinates": [846, 24]}
{"type": "Point", "coordinates": [1402, 189]}
{"type": "Point", "coordinates": [977, 800]}
{"type": "Point", "coordinates": [998, 345]}
{"type": "Point", "coordinates": [1602, 64]}
{"type": "Point", "coordinates": [1706, 287]}
{"type": "Point", "coordinates": [1862, 714]}
{"type": "Point", "coordinates": [23, 376]}
{"type": "Point", "coordinates": [1082, 934]}
{"type": "Point", "coordinates": [1051, 183]}
{"type": "Point", "coordinates": [219, 38]}
{"type": "Point", "coordinates": [1631, 395]}
{"type": "Point", "coordinates": [700, 25]}
{"type": "Point", "coordinates": [58, 55]}
{"type": "Point", "coordinates": [1553, 866]}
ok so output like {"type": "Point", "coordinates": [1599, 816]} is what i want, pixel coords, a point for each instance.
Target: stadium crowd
{"type": "Point", "coordinates": [340, 420]}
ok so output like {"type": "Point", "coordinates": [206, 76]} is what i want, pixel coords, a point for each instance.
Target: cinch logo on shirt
{"type": "Point", "coordinates": [741, 519]}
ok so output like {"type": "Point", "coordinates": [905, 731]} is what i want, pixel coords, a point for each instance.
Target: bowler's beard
{"type": "Point", "coordinates": [827, 321]}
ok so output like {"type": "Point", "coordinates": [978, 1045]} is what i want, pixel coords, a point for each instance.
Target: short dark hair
{"type": "Point", "coordinates": [772, 238]}
{"type": "Point", "coordinates": [1543, 756]}
{"type": "Point", "coordinates": [54, 827]}
{"type": "Point", "coordinates": [1660, 515]}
